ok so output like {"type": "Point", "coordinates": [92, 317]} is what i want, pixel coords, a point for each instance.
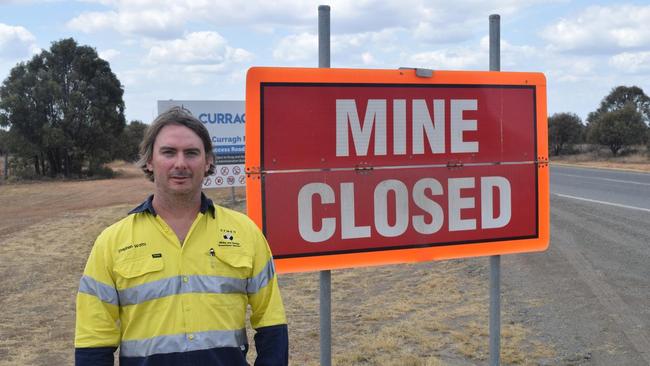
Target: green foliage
{"type": "Point", "coordinates": [127, 148]}
{"type": "Point", "coordinates": [64, 109]}
{"type": "Point", "coordinates": [621, 96]}
{"type": "Point", "coordinates": [564, 130]}
{"type": "Point", "coordinates": [618, 129]}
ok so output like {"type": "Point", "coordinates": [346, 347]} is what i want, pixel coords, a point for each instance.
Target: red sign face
{"type": "Point", "coordinates": [344, 212]}
{"type": "Point", "coordinates": [395, 125]}
{"type": "Point", "coordinates": [352, 168]}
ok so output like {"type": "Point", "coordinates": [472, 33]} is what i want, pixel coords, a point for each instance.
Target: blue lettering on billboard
{"type": "Point", "coordinates": [228, 140]}
{"type": "Point", "coordinates": [222, 118]}
{"type": "Point", "coordinates": [229, 150]}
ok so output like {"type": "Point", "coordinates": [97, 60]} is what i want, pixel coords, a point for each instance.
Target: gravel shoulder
{"type": "Point", "coordinates": [592, 309]}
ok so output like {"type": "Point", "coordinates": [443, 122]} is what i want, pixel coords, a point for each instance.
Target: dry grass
{"type": "Point", "coordinates": [425, 314]}
{"type": "Point", "coordinates": [639, 160]}
{"type": "Point", "coordinates": [417, 314]}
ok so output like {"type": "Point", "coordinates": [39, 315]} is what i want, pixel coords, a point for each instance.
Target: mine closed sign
{"type": "Point", "coordinates": [362, 167]}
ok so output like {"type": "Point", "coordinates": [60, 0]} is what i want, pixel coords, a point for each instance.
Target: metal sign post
{"type": "Point", "coordinates": [495, 260]}
{"type": "Point", "coordinates": [325, 276]}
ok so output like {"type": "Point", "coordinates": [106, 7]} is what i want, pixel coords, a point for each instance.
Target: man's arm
{"type": "Point", "coordinates": [267, 317]}
{"type": "Point", "coordinates": [97, 334]}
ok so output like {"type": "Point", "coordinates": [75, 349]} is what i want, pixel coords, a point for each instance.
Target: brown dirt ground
{"type": "Point", "coordinates": [423, 314]}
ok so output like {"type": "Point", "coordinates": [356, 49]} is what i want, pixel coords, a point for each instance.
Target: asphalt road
{"type": "Point", "coordinates": [589, 293]}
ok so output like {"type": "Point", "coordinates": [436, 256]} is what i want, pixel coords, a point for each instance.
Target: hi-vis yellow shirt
{"type": "Point", "coordinates": [146, 292]}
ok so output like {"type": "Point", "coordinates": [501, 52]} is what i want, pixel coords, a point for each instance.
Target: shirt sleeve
{"type": "Point", "coordinates": [97, 332]}
{"type": "Point", "coordinates": [96, 356]}
{"type": "Point", "coordinates": [272, 345]}
{"type": "Point", "coordinates": [267, 311]}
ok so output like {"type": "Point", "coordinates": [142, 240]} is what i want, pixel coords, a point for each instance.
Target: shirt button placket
{"type": "Point", "coordinates": [190, 336]}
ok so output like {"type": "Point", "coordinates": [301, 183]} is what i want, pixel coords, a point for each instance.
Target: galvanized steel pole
{"type": "Point", "coordinates": [325, 276]}
{"type": "Point", "coordinates": [495, 42]}
{"type": "Point", "coordinates": [495, 260]}
{"type": "Point", "coordinates": [323, 36]}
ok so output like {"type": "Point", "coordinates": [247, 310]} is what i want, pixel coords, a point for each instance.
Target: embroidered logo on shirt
{"type": "Point", "coordinates": [228, 238]}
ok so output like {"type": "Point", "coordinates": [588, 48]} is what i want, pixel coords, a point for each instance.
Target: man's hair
{"type": "Point", "coordinates": [173, 116]}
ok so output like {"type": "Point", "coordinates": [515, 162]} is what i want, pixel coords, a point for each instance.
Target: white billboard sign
{"type": "Point", "coordinates": [225, 120]}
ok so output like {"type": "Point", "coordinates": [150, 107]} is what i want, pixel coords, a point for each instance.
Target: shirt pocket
{"type": "Point", "coordinates": [228, 282]}
{"type": "Point", "coordinates": [137, 271]}
{"type": "Point", "coordinates": [233, 265]}
{"type": "Point", "coordinates": [134, 279]}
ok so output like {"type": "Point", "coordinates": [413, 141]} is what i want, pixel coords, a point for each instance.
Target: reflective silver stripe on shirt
{"type": "Point", "coordinates": [262, 279]}
{"type": "Point", "coordinates": [177, 285]}
{"type": "Point", "coordinates": [104, 292]}
{"type": "Point", "coordinates": [183, 342]}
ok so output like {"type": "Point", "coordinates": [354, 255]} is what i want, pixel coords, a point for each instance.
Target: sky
{"type": "Point", "coordinates": [201, 49]}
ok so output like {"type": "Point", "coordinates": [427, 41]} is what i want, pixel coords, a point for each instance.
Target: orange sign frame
{"type": "Point", "coordinates": [258, 75]}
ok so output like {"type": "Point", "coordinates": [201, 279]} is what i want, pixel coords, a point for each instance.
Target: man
{"type": "Point", "coordinates": [170, 283]}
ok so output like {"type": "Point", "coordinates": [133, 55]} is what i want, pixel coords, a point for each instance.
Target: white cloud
{"type": "Point", "coordinates": [449, 59]}
{"type": "Point", "coordinates": [571, 69]}
{"type": "Point", "coordinates": [155, 21]}
{"type": "Point", "coordinates": [513, 57]}
{"type": "Point", "coordinates": [442, 33]}
{"type": "Point", "coordinates": [345, 47]}
{"type": "Point", "coordinates": [446, 22]}
{"type": "Point", "coordinates": [436, 20]}
{"type": "Point", "coordinates": [631, 62]}
{"type": "Point", "coordinates": [198, 48]}
{"type": "Point", "coordinates": [189, 66]}
{"type": "Point", "coordinates": [384, 40]}
{"type": "Point", "coordinates": [93, 21]}
{"type": "Point", "coordinates": [166, 19]}
{"type": "Point", "coordinates": [507, 47]}
{"type": "Point", "coordinates": [297, 47]}
{"type": "Point", "coordinates": [601, 29]}
{"type": "Point", "coordinates": [109, 54]}
{"type": "Point", "coordinates": [386, 49]}
{"type": "Point", "coordinates": [367, 58]}
{"type": "Point", "coordinates": [16, 42]}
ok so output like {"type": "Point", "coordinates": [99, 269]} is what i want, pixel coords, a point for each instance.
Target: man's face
{"type": "Point", "coordinates": [178, 161]}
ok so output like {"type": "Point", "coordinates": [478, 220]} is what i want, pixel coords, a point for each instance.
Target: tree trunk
{"type": "Point", "coordinates": [79, 164]}
{"type": "Point", "coordinates": [67, 164]}
{"type": "Point", "coordinates": [56, 160]}
{"type": "Point", "coordinates": [37, 166]}
{"type": "Point", "coordinates": [6, 166]}
{"type": "Point", "coordinates": [52, 160]}
{"type": "Point", "coordinates": [49, 169]}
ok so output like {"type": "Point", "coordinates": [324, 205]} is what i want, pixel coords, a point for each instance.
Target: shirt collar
{"type": "Point", "coordinates": [147, 206]}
